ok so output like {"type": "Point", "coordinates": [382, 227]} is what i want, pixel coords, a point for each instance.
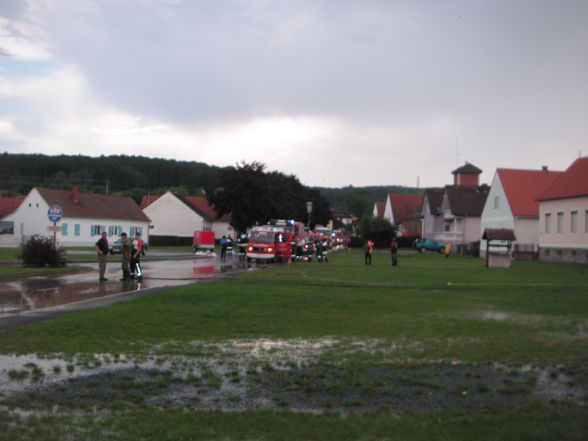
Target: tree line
{"type": "Point", "coordinates": [278, 195]}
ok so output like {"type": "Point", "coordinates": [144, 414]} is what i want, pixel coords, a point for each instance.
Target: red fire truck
{"type": "Point", "coordinates": [273, 242]}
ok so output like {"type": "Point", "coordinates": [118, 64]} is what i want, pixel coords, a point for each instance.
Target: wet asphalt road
{"type": "Point", "coordinates": [40, 298]}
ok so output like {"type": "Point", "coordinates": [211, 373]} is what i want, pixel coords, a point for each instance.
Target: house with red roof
{"type": "Point", "coordinates": [7, 206]}
{"type": "Point", "coordinates": [379, 207]}
{"type": "Point", "coordinates": [512, 204]}
{"type": "Point", "coordinates": [174, 218]}
{"type": "Point", "coordinates": [85, 217]}
{"type": "Point", "coordinates": [404, 210]}
{"type": "Point", "coordinates": [563, 216]}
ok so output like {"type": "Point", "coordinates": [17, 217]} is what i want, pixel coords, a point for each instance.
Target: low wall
{"type": "Point", "coordinates": [566, 255]}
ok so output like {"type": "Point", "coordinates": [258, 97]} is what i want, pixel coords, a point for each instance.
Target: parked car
{"type": "Point", "coordinates": [424, 245]}
{"type": "Point", "coordinates": [116, 247]}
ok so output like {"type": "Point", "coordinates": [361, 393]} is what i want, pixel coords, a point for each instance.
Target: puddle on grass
{"type": "Point", "coordinates": [247, 374]}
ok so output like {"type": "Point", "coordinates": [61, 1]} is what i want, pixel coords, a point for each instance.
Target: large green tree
{"type": "Point", "coordinates": [253, 196]}
{"type": "Point", "coordinates": [377, 229]}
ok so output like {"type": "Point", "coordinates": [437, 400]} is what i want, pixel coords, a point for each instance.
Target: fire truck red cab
{"type": "Point", "coordinates": [273, 242]}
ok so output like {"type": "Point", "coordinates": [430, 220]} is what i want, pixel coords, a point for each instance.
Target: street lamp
{"type": "Point", "coordinates": [309, 211]}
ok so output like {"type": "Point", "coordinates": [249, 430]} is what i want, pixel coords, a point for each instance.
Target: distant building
{"type": "Point", "coordinates": [174, 217]}
{"type": "Point", "coordinates": [404, 211]}
{"type": "Point", "coordinates": [512, 204]}
{"type": "Point", "coordinates": [453, 213]}
{"type": "Point", "coordinates": [85, 217]}
{"type": "Point", "coordinates": [379, 207]}
{"type": "Point", "coordinates": [563, 216]}
{"type": "Point", "coordinates": [432, 221]}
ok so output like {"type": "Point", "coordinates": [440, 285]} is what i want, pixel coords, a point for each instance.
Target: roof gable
{"type": "Point", "coordinates": [466, 201]}
{"type": "Point", "coordinates": [380, 206]}
{"type": "Point", "coordinates": [434, 199]}
{"type": "Point", "coordinates": [522, 187]}
{"type": "Point", "coordinates": [198, 204]}
{"type": "Point", "coordinates": [571, 183]}
{"type": "Point", "coordinates": [93, 205]}
{"type": "Point", "coordinates": [405, 205]}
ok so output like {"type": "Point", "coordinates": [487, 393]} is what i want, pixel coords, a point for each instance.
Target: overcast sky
{"type": "Point", "coordinates": [366, 92]}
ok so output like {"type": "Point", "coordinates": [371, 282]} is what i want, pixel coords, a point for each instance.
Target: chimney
{"type": "Point", "coordinates": [74, 194]}
{"type": "Point", "coordinates": [544, 168]}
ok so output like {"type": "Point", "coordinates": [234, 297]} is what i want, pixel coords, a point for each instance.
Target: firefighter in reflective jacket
{"type": "Point", "coordinates": [242, 242]}
{"type": "Point", "coordinates": [136, 271]}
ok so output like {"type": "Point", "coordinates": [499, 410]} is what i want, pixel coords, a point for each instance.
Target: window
{"type": "Point", "coordinates": [586, 221]}
{"type": "Point", "coordinates": [574, 222]}
{"type": "Point", "coordinates": [76, 229]}
{"type": "Point", "coordinates": [134, 230]}
{"type": "Point", "coordinates": [496, 202]}
{"type": "Point", "coordinates": [548, 223]}
{"type": "Point", "coordinates": [64, 229]}
{"type": "Point", "coordinates": [7, 227]}
{"type": "Point", "coordinates": [97, 229]}
{"type": "Point", "coordinates": [560, 220]}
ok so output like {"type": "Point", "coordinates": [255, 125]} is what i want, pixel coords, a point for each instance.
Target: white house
{"type": "Point", "coordinates": [563, 216]}
{"type": "Point", "coordinates": [432, 221]}
{"type": "Point", "coordinates": [174, 216]}
{"type": "Point", "coordinates": [512, 204]}
{"type": "Point", "coordinates": [404, 210]}
{"type": "Point", "coordinates": [453, 213]}
{"type": "Point", "coordinates": [85, 217]}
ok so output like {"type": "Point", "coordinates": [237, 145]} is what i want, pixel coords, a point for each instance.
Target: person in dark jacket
{"type": "Point", "coordinates": [126, 250]}
{"type": "Point", "coordinates": [102, 251]}
{"type": "Point", "coordinates": [394, 252]}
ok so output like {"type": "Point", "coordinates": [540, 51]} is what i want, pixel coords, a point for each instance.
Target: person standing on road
{"type": "Point", "coordinates": [126, 250]}
{"type": "Point", "coordinates": [223, 244]}
{"type": "Point", "coordinates": [102, 250]}
{"type": "Point", "coordinates": [136, 257]}
{"type": "Point", "coordinates": [394, 252]}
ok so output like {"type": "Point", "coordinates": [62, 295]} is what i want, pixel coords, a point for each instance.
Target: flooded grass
{"type": "Point", "coordinates": [288, 354]}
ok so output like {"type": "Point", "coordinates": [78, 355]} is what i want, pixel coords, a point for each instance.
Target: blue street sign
{"type": "Point", "coordinates": [55, 213]}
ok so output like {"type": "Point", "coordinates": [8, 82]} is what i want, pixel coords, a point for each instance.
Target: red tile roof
{"type": "Point", "coordinates": [148, 200]}
{"type": "Point", "coordinates": [94, 205]}
{"type": "Point", "coordinates": [201, 205]}
{"type": "Point", "coordinates": [9, 205]}
{"type": "Point", "coordinates": [380, 207]}
{"type": "Point", "coordinates": [405, 205]}
{"type": "Point", "coordinates": [522, 187]}
{"type": "Point", "coordinates": [197, 203]}
{"type": "Point", "coordinates": [571, 183]}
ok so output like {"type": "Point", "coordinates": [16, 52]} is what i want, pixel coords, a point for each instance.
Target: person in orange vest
{"type": "Point", "coordinates": [448, 249]}
{"type": "Point", "coordinates": [368, 249]}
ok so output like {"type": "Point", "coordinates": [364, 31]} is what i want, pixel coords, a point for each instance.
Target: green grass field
{"type": "Point", "coordinates": [429, 318]}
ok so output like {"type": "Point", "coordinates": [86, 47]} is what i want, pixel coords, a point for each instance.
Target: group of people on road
{"type": "Point", "coordinates": [131, 256]}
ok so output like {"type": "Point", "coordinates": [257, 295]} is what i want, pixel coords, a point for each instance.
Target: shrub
{"type": "Point", "coordinates": [39, 251]}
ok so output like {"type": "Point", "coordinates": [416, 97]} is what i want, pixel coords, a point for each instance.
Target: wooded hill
{"type": "Point", "coordinates": [135, 176]}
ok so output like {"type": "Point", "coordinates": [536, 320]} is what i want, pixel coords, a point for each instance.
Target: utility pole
{"type": "Point", "coordinates": [107, 185]}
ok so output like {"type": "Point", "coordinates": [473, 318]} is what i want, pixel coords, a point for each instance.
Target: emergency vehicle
{"type": "Point", "coordinates": [274, 241]}
{"type": "Point", "coordinates": [203, 242]}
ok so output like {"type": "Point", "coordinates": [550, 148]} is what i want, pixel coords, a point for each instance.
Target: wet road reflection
{"type": "Point", "coordinates": [41, 292]}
